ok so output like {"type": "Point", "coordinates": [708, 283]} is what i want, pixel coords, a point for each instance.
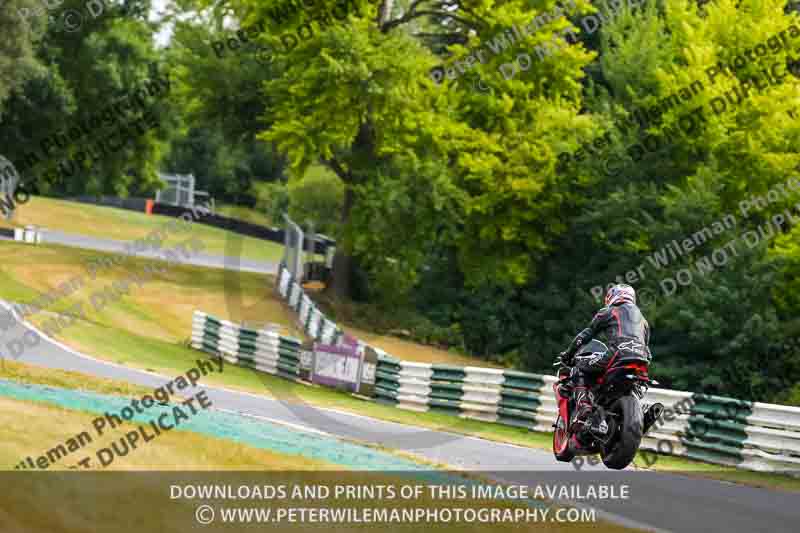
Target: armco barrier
{"type": "Point", "coordinates": [747, 435]}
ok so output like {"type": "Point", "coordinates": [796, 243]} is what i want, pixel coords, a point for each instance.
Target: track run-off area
{"type": "Point", "coordinates": [705, 504]}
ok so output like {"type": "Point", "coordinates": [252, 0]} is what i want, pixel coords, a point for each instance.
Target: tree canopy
{"type": "Point", "coordinates": [490, 203]}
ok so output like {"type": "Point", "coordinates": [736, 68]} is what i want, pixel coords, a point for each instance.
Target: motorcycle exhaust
{"type": "Point", "coordinates": [652, 414]}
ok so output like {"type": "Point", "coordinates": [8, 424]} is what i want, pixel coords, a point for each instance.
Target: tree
{"type": "Point", "coordinates": [726, 332]}
{"type": "Point", "coordinates": [383, 108]}
{"type": "Point", "coordinates": [108, 59]}
{"type": "Point", "coordinates": [221, 112]}
{"type": "Point", "coordinates": [17, 59]}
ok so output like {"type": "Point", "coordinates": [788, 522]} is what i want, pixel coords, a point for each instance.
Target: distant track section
{"type": "Point", "coordinates": [118, 247]}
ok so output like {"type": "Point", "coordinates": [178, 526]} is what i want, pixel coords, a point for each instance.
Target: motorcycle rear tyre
{"type": "Point", "coordinates": [625, 444]}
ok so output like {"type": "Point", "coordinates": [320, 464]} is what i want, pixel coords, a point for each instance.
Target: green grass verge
{"type": "Point", "coordinates": [146, 328]}
{"type": "Point", "coordinates": [248, 214]}
{"type": "Point", "coordinates": [27, 427]}
{"type": "Point", "coordinates": [171, 359]}
{"type": "Point", "coordinates": [125, 225]}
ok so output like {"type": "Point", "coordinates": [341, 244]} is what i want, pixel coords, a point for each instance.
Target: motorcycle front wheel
{"type": "Point", "coordinates": [622, 448]}
{"type": "Point", "coordinates": [561, 448]}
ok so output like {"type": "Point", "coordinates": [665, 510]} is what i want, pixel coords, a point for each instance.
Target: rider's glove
{"type": "Point", "coordinates": [565, 358]}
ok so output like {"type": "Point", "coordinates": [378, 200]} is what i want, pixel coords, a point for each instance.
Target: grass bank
{"type": "Point", "coordinates": [124, 225]}
{"type": "Point", "coordinates": [28, 428]}
{"type": "Point", "coordinates": [147, 329]}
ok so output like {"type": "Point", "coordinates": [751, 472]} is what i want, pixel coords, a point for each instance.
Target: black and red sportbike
{"type": "Point", "coordinates": [617, 422]}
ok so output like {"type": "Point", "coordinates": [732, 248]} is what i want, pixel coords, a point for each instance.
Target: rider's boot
{"type": "Point", "coordinates": [583, 406]}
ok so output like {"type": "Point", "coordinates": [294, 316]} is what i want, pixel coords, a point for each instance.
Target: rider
{"type": "Point", "coordinates": [628, 336]}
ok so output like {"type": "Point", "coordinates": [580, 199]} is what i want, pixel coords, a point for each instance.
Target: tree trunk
{"type": "Point", "coordinates": [342, 260]}
{"type": "Point", "coordinates": [385, 12]}
{"type": "Point", "coordinates": [363, 155]}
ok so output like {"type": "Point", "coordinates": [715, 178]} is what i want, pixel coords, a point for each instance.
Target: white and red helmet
{"type": "Point", "coordinates": [620, 293]}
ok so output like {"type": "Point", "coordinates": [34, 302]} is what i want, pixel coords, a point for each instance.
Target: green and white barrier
{"type": "Point", "coordinates": [262, 350]}
{"type": "Point", "coordinates": [488, 394]}
{"type": "Point", "coordinates": [747, 435]}
{"type": "Point", "coordinates": [752, 436]}
{"type": "Point", "coordinates": [29, 234]}
{"type": "Point", "coordinates": [313, 322]}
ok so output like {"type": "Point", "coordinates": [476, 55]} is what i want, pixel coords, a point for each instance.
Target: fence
{"type": "Point", "coordinates": [748, 435]}
{"type": "Point", "coordinates": [726, 431]}
{"type": "Point", "coordinates": [300, 265]}
{"type": "Point", "coordinates": [293, 254]}
{"type": "Point", "coordinates": [180, 190]}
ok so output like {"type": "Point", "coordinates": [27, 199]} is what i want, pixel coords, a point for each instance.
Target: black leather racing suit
{"type": "Point", "coordinates": [627, 333]}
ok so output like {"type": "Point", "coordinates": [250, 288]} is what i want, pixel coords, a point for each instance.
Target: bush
{"type": "Point", "coordinates": [318, 197]}
{"type": "Point", "coordinates": [272, 198]}
{"type": "Point", "coordinates": [790, 397]}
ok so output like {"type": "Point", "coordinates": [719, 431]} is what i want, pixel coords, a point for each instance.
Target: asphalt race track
{"type": "Point", "coordinates": [658, 502]}
{"type": "Point", "coordinates": [199, 259]}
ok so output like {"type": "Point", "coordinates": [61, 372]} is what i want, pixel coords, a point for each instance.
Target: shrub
{"type": "Point", "coordinates": [318, 197]}
{"type": "Point", "coordinates": [272, 198]}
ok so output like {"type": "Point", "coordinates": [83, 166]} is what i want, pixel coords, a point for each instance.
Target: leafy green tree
{"type": "Point", "coordinates": [221, 106]}
{"type": "Point", "coordinates": [17, 58]}
{"type": "Point", "coordinates": [727, 332]}
{"type": "Point", "coordinates": [87, 71]}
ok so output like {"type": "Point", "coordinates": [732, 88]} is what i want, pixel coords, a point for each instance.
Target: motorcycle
{"type": "Point", "coordinates": [617, 422]}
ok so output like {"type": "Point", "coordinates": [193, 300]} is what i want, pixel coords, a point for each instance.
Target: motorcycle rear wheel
{"type": "Point", "coordinates": [623, 447]}
{"type": "Point", "coordinates": [561, 447]}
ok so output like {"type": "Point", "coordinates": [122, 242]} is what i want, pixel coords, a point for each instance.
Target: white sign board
{"type": "Point", "coordinates": [336, 366]}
